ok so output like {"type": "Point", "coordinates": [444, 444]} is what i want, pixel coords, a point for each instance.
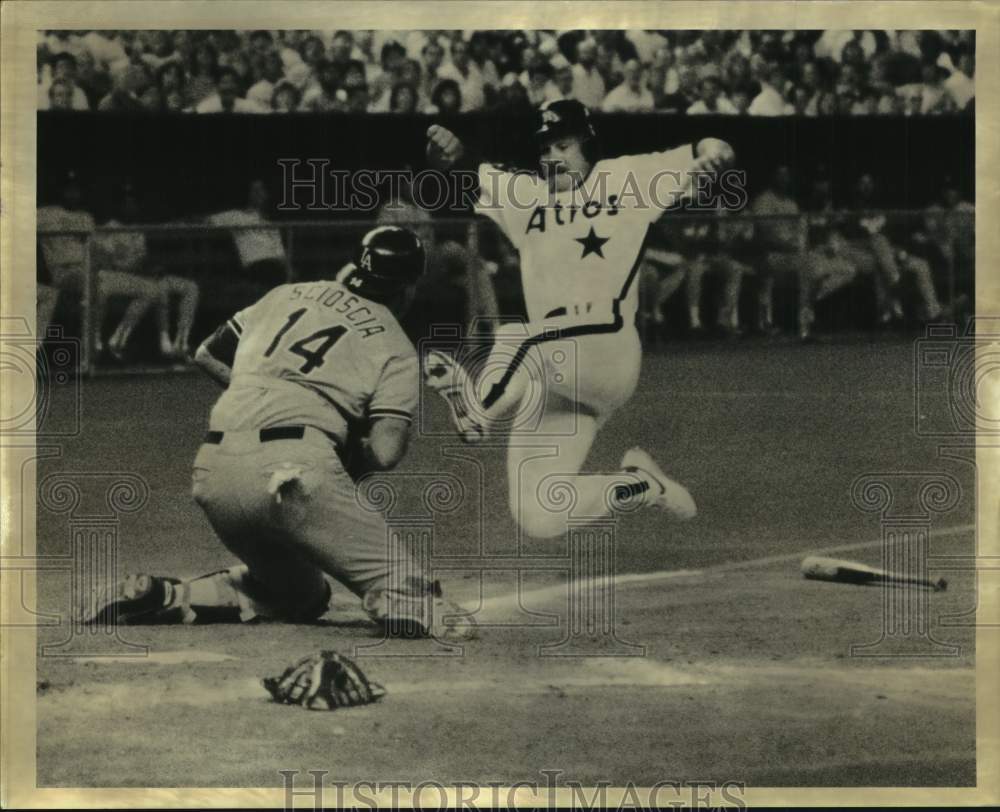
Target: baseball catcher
{"type": "Point", "coordinates": [320, 387]}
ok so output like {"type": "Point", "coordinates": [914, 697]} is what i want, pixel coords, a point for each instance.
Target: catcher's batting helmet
{"type": "Point", "coordinates": [563, 117]}
{"type": "Point", "coordinates": [388, 259]}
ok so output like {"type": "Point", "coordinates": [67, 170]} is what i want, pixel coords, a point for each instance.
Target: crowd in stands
{"type": "Point", "coordinates": [768, 73]}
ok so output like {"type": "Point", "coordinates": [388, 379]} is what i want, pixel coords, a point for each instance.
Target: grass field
{"type": "Point", "coordinates": [747, 673]}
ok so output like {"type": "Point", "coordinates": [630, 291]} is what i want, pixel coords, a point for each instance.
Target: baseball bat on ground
{"type": "Point", "coordinates": [851, 572]}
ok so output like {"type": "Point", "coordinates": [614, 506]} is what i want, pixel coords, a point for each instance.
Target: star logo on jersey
{"type": "Point", "coordinates": [592, 244]}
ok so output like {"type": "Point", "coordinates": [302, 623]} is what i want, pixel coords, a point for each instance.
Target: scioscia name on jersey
{"type": "Point", "coordinates": [351, 307]}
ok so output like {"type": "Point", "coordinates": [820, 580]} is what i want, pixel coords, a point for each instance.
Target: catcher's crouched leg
{"type": "Point", "coordinates": [415, 608]}
{"type": "Point", "coordinates": [228, 596]}
{"type": "Point", "coordinates": [234, 594]}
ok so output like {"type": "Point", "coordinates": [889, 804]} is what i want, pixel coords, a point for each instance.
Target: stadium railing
{"type": "Point", "coordinates": [945, 240]}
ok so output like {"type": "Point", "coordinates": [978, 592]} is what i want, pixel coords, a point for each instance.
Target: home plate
{"type": "Point", "coordinates": [161, 658]}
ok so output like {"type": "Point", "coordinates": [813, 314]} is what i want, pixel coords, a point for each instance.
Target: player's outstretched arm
{"type": "Point", "coordinates": [215, 354]}
{"type": "Point", "coordinates": [444, 149]}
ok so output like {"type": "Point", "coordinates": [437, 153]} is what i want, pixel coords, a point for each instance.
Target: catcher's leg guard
{"type": "Point", "coordinates": [226, 596]}
{"type": "Point", "coordinates": [234, 595]}
{"type": "Point", "coordinates": [135, 597]}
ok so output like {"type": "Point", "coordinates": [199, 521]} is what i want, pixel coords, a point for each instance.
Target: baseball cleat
{"type": "Point", "coordinates": [448, 378]}
{"type": "Point", "coordinates": [664, 492]}
{"type": "Point", "coordinates": [451, 622]}
{"type": "Point", "coordinates": [130, 598]}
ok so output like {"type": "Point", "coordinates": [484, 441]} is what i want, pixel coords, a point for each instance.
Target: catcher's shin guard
{"type": "Point", "coordinates": [134, 597]}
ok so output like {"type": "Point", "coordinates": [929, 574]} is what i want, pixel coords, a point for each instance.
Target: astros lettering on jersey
{"type": "Point", "coordinates": [580, 247]}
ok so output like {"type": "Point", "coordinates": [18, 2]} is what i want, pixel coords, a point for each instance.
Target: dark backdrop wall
{"type": "Point", "coordinates": [188, 165]}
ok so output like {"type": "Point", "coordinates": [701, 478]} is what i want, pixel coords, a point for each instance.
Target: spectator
{"type": "Point", "coordinates": [358, 100]}
{"type": "Point", "coordinates": [769, 102]}
{"type": "Point", "coordinates": [432, 56]}
{"type": "Point", "coordinates": [312, 51]}
{"type": "Point", "coordinates": [562, 85]}
{"type": "Point", "coordinates": [646, 44]}
{"type": "Point", "coordinates": [829, 267]}
{"type": "Point", "coordinates": [203, 73]}
{"type": "Point", "coordinates": [128, 92]}
{"type": "Point", "coordinates": [159, 50]}
{"type": "Point", "coordinates": [261, 253]}
{"type": "Point", "coordinates": [742, 98]}
{"type": "Point", "coordinates": [64, 230]}
{"type": "Point", "coordinates": [609, 65]}
{"type": "Point", "coordinates": [934, 95]}
{"type": "Point", "coordinates": [736, 70]}
{"type": "Point", "coordinates": [536, 81]}
{"type": "Point", "coordinates": [151, 99]}
{"type": "Point", "coordinates": [710, 247]}
{"type": "Point", "coordinates": [812, 80]}
{"type": "Point", "coordinates": [64, 68]}
{"type": "Point", "coordinates": [513, 97]}
{"type": "Point", "coordinates": [447, 98]}
{"type": "Point", "coordinates": [227, 99]}
{"type": "Point", "coordinates": [271, 71]}
{"type": "Point", "coordinates": [46, 296]}
{"type": "Point", "coordinates": [96, 83]}
{"type": "Point", "coordinates": [464, 72]}
{"type": "Point", "coordinates": [826, 104]}
{"type": "Point", "coordinates": [712, 100]}
{"type": "Point", "coordinates": [831, 44]}
{"type": "Point", "coordinates": [124, 253]}
{"type": "Point", "coordinates": [630, 96]}
{"type": "Point", "coordinates": [393, 57]}
{"type": "Point", "coordinates": [479, 53]}
{"type": "Point", "coordinates": [588, 84]}
{"type": "Point", "coordinates": [170, 78]}
{"type": "Point", "coordinates": [959, 84]}
{"type": "Point", "coordinates": [782, 239]}
{"type": "Point", "coordinates": [950, 229]}
{"type": "Point", "coordinates": [174, 102]}
{"type": "Point", "coordinates": [61, 95]}
{"type": "Point", "coordinates": [664, 79]}
{"type": "Point", "coordinates": [801, 101]}
{"type": "Point", "coordinates": [262, 43]}
{"type": "Point", "coordinates": [872, 252]}
{"type": "Point", "coordinates": [342, 49]}
{"type": "Point", "coordinates": [326, 99]}
{"type": "Point", "coordinates": [403, 98]}
{"type": "Point", "coordinates": [355, 88]}
{"type": "Point", "coordinates": [285, 98]}
{"type": "Point", "coordinates": [891, 104]}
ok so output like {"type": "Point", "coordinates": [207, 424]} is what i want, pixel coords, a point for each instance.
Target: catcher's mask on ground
{"type": "Point", "coordinates": [389, 262]}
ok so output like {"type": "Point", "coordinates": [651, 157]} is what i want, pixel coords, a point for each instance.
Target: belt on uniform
{"type": "Point", "coordinates": [266, 435]}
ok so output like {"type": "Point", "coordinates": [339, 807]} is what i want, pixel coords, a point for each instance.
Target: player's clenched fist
{"type": "Point", "coordinates": [713, 154]}
{"type": "Point", "coordinates": [443, 146]}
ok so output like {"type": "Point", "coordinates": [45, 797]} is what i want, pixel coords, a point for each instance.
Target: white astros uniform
{"type": "Point", "coordinates": [580, 251]}
{"type": "Point", "coordinates": [577, 360]}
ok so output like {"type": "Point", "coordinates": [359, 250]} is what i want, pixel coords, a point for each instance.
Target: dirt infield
{"type": "Point", "coordinates": [746, 672]}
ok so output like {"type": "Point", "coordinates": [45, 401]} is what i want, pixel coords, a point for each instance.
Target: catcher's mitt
{"type": "Point", "coordinates": [324, 681]}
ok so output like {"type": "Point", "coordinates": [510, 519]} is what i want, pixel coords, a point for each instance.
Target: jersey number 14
{"type": "Point", "coordinates": [313, 348]}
